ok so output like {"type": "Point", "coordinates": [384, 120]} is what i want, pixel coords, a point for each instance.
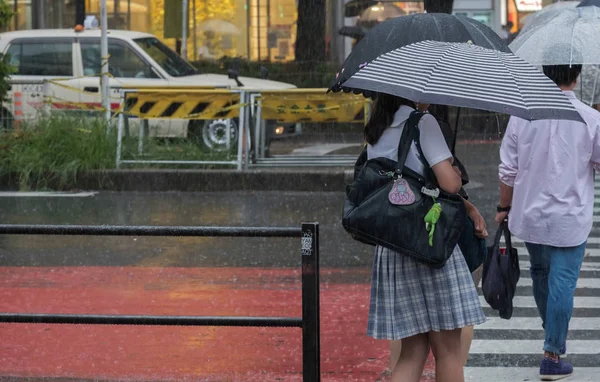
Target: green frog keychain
{"type": "Point", "coordinates": [431, 219]}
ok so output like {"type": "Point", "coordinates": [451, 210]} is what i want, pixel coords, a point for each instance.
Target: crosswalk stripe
{"type": "Point", "coordinates": [529, 302]}
{"type": "Point", "coordinates": [500, 345]}
{"type": "Point", "coordinates": [592, 252]}
{"type": "Point", "coordinates": [529, 347]}
{"type": "Point", "coordinates": [535, 323]}
{"type": "Point", "coordinates": [581, 283]}
{"type": "Point", "coordinates": [515, 240]}
{"type": "Point", "coordinates": [587, 266]}
{"type": "Point", "coordinates": [518, 374]}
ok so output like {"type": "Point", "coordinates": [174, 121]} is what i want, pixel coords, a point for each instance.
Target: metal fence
{"type": "Point", "coordinates": [213, 120]}
{"type": "Point", "coordinates": [309, 250]}
{"type": "Point", "coordinates": [332, 127]}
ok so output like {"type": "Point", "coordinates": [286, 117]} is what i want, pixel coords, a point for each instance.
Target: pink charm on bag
{"type": "Point", "coordinates": [401, 194]}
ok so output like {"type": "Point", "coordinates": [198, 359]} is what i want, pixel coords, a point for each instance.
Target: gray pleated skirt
{"type": "Point", "coordinates": [409, 298]}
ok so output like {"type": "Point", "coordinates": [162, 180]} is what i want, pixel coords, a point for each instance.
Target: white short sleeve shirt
{"type": "Point", "coordinates": [432, 141]}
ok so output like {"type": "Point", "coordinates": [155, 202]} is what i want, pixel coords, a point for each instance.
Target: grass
{"type": "Point", "coordinates": [53, 152]}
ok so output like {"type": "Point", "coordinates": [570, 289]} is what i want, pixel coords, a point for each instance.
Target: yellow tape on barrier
{"type": "Point", "coordinates": [205, 105]}
{"type": "Point", "coordinates": [312, 105]}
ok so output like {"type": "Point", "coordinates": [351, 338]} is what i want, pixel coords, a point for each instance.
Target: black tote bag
{"type": "Point", "coordinates": [371, 217]}
{"type": "Point", "coordinates": [501, 273]}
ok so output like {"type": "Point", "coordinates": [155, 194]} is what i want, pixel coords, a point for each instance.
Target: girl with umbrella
{"type": "Point", "coordinates": [415, 63]}
{"type": "Point", "coordinates": [434, 304]}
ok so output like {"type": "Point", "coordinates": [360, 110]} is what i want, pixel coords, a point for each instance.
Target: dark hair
{"type": "Point", "coordinates": [382, 115]}
{"type": "Point", "coordinates": [563, 74]}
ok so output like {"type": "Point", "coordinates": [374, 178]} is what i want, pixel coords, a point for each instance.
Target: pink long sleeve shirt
{"type": "Point", "coordinates": [550, 164]}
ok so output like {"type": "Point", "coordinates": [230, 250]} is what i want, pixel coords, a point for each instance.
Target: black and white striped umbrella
{"type": "Point", "coordinates": [463, 75]}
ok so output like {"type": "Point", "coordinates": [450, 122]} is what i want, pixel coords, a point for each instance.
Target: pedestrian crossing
{"type": "Point", "coordinates": [511, 350]}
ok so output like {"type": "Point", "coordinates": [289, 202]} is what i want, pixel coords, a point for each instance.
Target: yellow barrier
{"type": "Point", "coordinates": [312, 105]}
{"type": "Point", "coordinates": [183, 104]}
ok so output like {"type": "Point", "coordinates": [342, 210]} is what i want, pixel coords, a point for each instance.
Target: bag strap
{"type": "Point", "coordinates": [498, 235]}
{"type": "Point", "coordinates": [414, 135]}
{"type": "Point", "coordinates": [507, 236]}
{"type": "Point", "coordinates": [503, 230]}
{"type": "Point", "coordinates": [407, 138]}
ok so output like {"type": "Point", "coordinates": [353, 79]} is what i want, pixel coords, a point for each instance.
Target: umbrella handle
{"type": "Point", "coordinates": [456, 131]}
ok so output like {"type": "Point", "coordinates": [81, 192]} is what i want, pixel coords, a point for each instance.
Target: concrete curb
{"type": "Point", "coordinates": [202, 180]}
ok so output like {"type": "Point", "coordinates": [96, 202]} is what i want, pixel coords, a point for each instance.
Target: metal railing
{"type": "Point", "coordinates": [309, 322]}
{"type": "Point", "coordinates": [177, 108]}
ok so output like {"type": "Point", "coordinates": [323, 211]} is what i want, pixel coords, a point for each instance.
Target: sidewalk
{"type": "Point", "coordinates": [145, 353]}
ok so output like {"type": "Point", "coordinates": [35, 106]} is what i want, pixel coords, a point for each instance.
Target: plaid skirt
{"type": "Point", "coordinates": [409, 298]}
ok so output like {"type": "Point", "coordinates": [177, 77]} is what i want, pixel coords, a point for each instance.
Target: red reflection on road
{"type": "Point", "coordinates": [184, 353]}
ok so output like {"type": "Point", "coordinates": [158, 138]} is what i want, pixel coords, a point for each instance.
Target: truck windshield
{"type": "Point", "coordinates": [170, 61]}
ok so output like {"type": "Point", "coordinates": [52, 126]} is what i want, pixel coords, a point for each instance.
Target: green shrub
{"type": "Point", "coordinates": [55, 150]}
{"type": "Point", "coordinates": [52, 152]}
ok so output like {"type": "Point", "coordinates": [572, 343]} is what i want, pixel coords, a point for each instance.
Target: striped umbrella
{"type": "Point", "coordinates": [463, 75]}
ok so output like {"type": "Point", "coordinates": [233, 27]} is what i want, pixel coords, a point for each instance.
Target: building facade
{"type": "Point", "coordinates": [253, 29]}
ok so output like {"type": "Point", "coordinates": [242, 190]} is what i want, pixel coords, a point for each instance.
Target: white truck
{"type": "Point", "coordinates": [136, 60]}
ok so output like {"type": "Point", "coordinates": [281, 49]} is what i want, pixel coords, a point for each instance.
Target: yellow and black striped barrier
{"type": "Point", "coordinates": [205, 104]}
{"type": "Point", "coordinates": [313, 105]}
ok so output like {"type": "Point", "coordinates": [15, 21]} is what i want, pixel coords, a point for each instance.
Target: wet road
{"type": "Point", "coordinates": [220, 209]}
{"type": "Point", "coordinates": [189, 276]}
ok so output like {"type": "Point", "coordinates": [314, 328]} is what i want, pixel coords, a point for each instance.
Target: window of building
{"type": "Point", "coordinates": [124, 62]}
{"type": "Point", "coordinates": [42, 58]}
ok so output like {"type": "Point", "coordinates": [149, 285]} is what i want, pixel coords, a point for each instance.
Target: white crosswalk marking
{"type": "Point", "coordinates": [511, 350]}
{"type": "Point", "coordinates": [518, 374]}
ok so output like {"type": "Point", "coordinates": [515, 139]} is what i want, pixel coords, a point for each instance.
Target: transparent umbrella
{"type": "Point", "coordinates": [379, 13]}
{"type": "Point", "coordinates": [545, 12]}
{"type": "Point", "coordinates": [562, 37]}
{"type": "Point", "coordinates": [218, 26]}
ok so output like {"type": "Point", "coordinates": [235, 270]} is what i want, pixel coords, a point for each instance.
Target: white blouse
{"type": "Point", "coordinates": [432, 141]}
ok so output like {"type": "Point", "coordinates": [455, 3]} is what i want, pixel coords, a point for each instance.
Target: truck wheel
{"type": "Point", "coordinates": [212, 134]}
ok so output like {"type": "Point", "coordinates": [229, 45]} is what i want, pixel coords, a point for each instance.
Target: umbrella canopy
{"type": "Point", "coordinates": [354, 8]}
{"type": "Point", "coordinates": [379, 13]}
{"type": "Point", "coordinates": [219, 27]}
{"type": "Point", "coordinates": [562, 37]}
{"type": "Point", "coordinates": [527, 20]}
{"type": "Point", "coordinates": [464, 75]}
{"type": "Point", "coordinates": [401, 31]}
{"type": "Point", "coordinates": [588, 88]}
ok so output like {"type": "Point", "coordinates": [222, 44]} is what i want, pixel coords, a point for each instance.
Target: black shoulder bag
{"type": "Point", "coordinates": [387, 204]}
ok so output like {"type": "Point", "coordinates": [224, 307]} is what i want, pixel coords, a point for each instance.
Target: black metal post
{"type": "Point", "coordinates": [456, 131]}
{"type": "Point", "coordinates": [311, 352]}
{"type": "Point", "coordinates": [79, 12]}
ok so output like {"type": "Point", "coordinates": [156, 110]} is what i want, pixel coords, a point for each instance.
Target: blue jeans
{"type": "Point", "coordinates": [554, 271]}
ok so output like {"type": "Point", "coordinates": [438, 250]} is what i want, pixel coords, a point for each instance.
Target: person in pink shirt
{"type": "Point", "coordinates": [547, 192]}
